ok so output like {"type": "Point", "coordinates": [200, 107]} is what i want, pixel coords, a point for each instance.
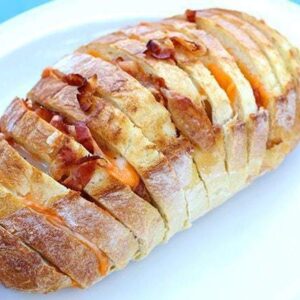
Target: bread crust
{"type": "Point", "coordinates": [287, 103]}
{"type": "Point", "coordinates": [102, 187]}
{"type": "Point", "coordinates": [176, 80]}
{"type": "Point", "coordinates": [141, 132]}
{"type": "Point", "coordinates": [112, 128]}
{"type": "Point", "coordinates": [234, 130]}
{"type": "Point", "coordinates": [243, 101]}
{"type": "Point", "coordinates": [144, 111]}
{"type": "Point", "coordinates": [55, 244]}
{"type": "Point", "coordinates": [23, 269]}
{"type": "Point", "coordinates": [81, 216]}
{"type": "Point", "coordinates": [290, 56]}
{"type": "Point", "coordinates": [152, 125]}
{"type": "Point", "coordinates": [279, 103]}
{"type": "Point", "coordinates": [53, 241]}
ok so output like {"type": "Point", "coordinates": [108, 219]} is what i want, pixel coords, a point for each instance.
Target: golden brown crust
{"type": "Point", "coordinates": [96, 225]}
{"type": "Point", "coordinates": [266, 87]}
{"type": "Point", "coordinates": [192, 185]}
{"type": "Point", "coordinates": [235, 135]}
{"type": "Point", "coordinates": [171, 74]}
{"type": "Point", "coordinates": [56, 244]}
{"type": "Point", "coordinates": [24, 269]}
{"type": "Point", "coordinates": [125, 93]}
{"type": "Point", "coordinates": [112, 128]}
{"type": "Point", "coordinates": [240, 115]}
{"type": "Point", "coordinates": [138, 215]}
{"type": "Point", "coordinates": [289, 54]}
{"type": "Point", "coordinates": [238, 89]}
{"type": "Point", "coordinates": [122, 248]}
{"type": "Point", "coordinates": [176, 80]}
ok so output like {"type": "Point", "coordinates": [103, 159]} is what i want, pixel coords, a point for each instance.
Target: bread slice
{"type": "Point", "coordinates": [48, 144]}
{"type": "Point", "coordinates": [187, 53]}
{"type": "Point", "coordinates": [265, 45]}
{"type": "Point", "coordinates": [24, 269]}
{"type": "Point", "coordinates": [82, 217]}
{"type": "Point", "coordinates": [134, 136]}
{"type": "Point", "coordinates": [111, 128]}
{"type": "Point", "coordinates": [223, 67]}
{"type": "Point", "coordinates": [288, 53]}
{"type": "Point", "coordinates": [53, 241]}
{"type": "Point", "coordinates": [150, 116]}
{"type": "Point", "coordinates": [179, 91]}
{"type": "Point", "coordinates": [258, 71]}
{"type": "Point", "coordinates": [86, 220]}
{"type": "Point", "coordinates": [280, 70]}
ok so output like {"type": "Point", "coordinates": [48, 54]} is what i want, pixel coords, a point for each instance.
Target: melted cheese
{"type": "Point", "coordinates": [122, 170]}
{"type": "Point", "coordinates": [224, 81]}
{"type": "Point", "coordinates": [261, 95]}
{"type": "Point", "coordinates": [54, 218]}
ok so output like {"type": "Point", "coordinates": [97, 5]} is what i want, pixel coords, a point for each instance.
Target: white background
{"type": "Point", "coordinates": [247, 249]}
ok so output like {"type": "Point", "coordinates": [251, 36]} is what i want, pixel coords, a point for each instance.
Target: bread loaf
{"type": "Point", "coordinates": [135, 135]}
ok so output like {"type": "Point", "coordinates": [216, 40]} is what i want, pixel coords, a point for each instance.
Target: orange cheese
{"type": "Point", "coordinates": [261, 95]}
{"type": "Point", "coordinates": [48, 212]}
{"type": "Point", "coordinates": [93, 53]}
{"type": "Point", "coordinates": [224, 81]}
{"type": "Point", "coordinates": [54, 218]}
{"type": "Point", "coordinates": [121, 169]}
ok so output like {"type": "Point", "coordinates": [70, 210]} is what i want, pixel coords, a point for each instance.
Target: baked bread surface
{"type": "Point", "coordinates": [135, 135]}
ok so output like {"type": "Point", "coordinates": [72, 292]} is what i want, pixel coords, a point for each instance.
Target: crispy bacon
{"type": "Point", "coordinates": [86, 88]}
{"type": "Point", "coordinates": [72, 172]}
{"type": "Point", "coordinates": [74, 80]}
{"type": "Point", "coordinates": [41, 111]}
{"type": "Point", "coordinates": [86, 92]}
{"type": "Point", "coordinates": [84, 137]}
{"type": "Point", "coordinates": [58, 122]}
{"type": "Point", "coordinates": [66, 156]}
{"type": "Point", "coordinates": [190, 46]}
{"type": "Point", "coordinates": [191, 15]}
{"type": "Point", "coordinates": [79, 131]}
{"type": "Point", "coordinates": [160, 49]}
{"type": "Point", "coordinates": [191, 120]}
{"type": "Point", "coordinates": [81, 173]}
{"type": "Point", "coordinates": [44, 113]}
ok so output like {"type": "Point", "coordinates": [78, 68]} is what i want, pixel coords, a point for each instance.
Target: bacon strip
{"type": "Point", "coordinates": [81, 173]}
{"type": "Point", "coordinates": [73, 172]}
{"type": "Point", "coordinates": [58, 122]}
{"type": "Point", "coordinates": [190, 46]}
{"type": "Point", "coordinates": [66, 156]}
{"type": "Point", "coordinates": [160, 49]}
{"type": "Point", "coordinates": [86, 88]}
{"type": "Point", "coordinates": [191, 15]}
{"type": "Point", "coordinates": [192, 121]}
{"type": "Point", "coordinates": [84, 137]}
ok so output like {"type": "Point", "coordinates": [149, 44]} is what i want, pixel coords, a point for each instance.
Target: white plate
{"type": "Point", "coordinates": [248, 248]}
